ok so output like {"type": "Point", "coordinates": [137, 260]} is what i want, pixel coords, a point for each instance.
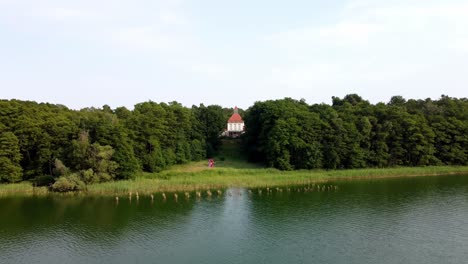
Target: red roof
{"type": "Point", "coordinates": [235, 118]}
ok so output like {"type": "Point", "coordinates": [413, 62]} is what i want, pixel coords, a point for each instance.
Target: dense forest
{"type": "Point", "coordinates": [45, 142]}
{"type": "Point", "coordinates": [352, 133]}
{"type": "Point", "coordinates": [95, 145]}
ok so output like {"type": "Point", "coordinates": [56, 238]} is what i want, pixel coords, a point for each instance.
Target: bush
{"type": "Point", "coordinates": [89, 176]}
{"type": "Point", "coordinates": [70, 183]}
{"type": "Point", "coordinates": [46, 180]}
{"type": "Point", "coordinates": [60, 168]}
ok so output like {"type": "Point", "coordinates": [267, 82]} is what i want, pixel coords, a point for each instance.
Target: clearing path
{"type": "Point", "coordinates": [229, 156]}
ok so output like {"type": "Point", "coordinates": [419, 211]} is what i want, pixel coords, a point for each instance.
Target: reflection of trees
{"type": "Point", "coordinates": [88, 218]}
{"type": "Point", "coordinates": [392, 196]}
{"type": "Point", "coordinates": [362, 217]}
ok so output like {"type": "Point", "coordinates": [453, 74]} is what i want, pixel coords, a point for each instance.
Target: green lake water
{"type": "Point", "coordinates": [399, 220]}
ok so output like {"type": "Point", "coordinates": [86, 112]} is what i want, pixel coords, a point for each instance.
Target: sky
{"type": "Point", "coordinates": [91, 53]}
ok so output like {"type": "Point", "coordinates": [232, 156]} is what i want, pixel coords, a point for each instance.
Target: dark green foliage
{"type": "Point", "coordinates": [283, 134]}
{"type": "Point", "coordinates": [44, 133]}
{"type": "Point", "coordinates": [164, 134]}
{"type": "Point", "coordinates": [45, 180]}
{"type": "Point", "coordinates": [197, 150]}
{"type": "Point", "coordinates": [94, 162]}
{"type": "Point", "coordinates": [10, 169]}
{"type": "Point", "coordinates": [105, 128]}
{"type": "Point", "coordinates": [96, 145]}
{"type": "Point", "coordinates": [210, 123]}
{"type": "Point", "coordinates": [352, 133]}
{"type": "Point", "coordinates": [153, 160]}
{"type": "Point", "coordinates": [102, 144]}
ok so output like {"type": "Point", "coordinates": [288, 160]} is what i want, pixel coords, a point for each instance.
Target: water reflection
{"type": "Point", "coordinates": [423, 220]}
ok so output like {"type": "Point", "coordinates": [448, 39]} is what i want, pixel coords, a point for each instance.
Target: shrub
{"type": "Point", "coordinates": [89, 176]}
{"type": "Point", "coordinates": [60, 168]}
{"type": "Point", "coordinates": [45, 180]}
{"type": "Point", "coordinates": [71, 183]}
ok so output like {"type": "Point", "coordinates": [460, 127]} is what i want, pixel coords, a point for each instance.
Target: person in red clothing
{"type": "Point", "coordinates": [211, 163]}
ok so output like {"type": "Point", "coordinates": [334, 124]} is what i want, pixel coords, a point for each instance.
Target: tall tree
{"type": "Point", "coordinates": [10, 169]}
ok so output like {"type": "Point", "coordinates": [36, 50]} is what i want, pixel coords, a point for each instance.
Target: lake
{"type": "Point", "coordinates": [395, 220]}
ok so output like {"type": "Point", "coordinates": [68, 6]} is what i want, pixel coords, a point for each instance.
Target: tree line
{"type": "Point", "coordinates": [101, 144]}
{"type": "Point", "coordinates": [95, 145]}
{"type": "Point", "coordinates": [352, 133]}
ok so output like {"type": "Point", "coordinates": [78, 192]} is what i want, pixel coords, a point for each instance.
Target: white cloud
{"type": "Point", "coordinates": [396, 37]}
{"type": "Point", "coordinates": [343, 33]}
{"type": "Point", "coordinates": [339, 73]}
{"type": "Point", "coordinates": [211, 70]}
{"type": "Point", "coordinates": [379, 43]}
{"type": "Point", "coordinates": [349, 32]}
{"type": "Point", "coordinates": [445, 11]}
{"type": "Point", "coordinates": [360, 22]}
{"type": "Point", "coordinates": [461, 45]}
{"type": "Point", "coordinates": [171, 18]}
{"type": "Point", "coordinates": [303, 75]}
{"type": "Point", "coordinates": [144, 38]}
{"type": "Point", "coordinates": [61, 13]}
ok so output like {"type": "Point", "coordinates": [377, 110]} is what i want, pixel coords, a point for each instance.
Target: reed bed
{"type": "Point", "coordinates": [190, 180]}
{"type": "Point", "coordinates": [220, 178]}
{"type": "Point", "coordinates": [22, 188]}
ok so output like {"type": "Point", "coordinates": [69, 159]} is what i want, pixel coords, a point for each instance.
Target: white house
{"type": "Point", "coordinates": [235, 125]}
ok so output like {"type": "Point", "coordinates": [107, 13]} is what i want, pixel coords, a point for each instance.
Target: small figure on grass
{"type": "Point", "coordinates": [211, 163]}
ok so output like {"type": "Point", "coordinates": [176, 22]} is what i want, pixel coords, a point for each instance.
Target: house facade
{"type": "Point", "coordinates": [235, 125]}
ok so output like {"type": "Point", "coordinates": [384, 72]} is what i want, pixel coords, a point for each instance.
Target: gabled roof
{"type": "Point", "coordinates": [235, 118]}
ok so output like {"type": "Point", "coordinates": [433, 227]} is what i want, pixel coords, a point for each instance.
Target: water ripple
{"type": "Point", "coordinates": [423, 220]}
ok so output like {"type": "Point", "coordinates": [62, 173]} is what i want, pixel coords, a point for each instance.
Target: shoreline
{"type": "Point", "coordinates": [222, 178]}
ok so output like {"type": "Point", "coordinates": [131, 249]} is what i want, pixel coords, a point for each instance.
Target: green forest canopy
{"type": "Point", "coordinates": [95, 145]}
{"type": "Point", "coordinates": [352, 133]}
{"type": "Point", "coordinates": [103, 144]}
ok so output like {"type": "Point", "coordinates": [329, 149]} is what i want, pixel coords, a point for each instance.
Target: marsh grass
{"type": "Point", "coordinates": [22, 188]}
{"type": "Point", "coordinates": [221, 178]}
{"type": "Point", "coordinates": [187, 179]}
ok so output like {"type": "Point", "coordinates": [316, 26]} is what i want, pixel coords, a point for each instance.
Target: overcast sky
{"type": "Point", "coordinates": [90, 53]}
